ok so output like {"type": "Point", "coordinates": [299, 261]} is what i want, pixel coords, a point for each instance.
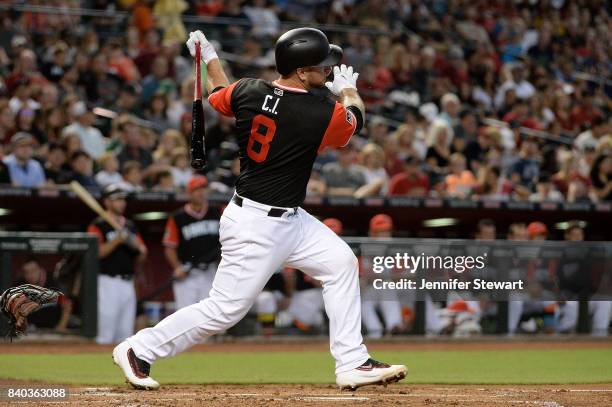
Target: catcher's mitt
{"type": "Point", "coordinates": [19, 302]}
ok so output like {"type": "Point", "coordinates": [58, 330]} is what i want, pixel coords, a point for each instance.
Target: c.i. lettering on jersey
{"type": "Point", "coordinates": [201, 228]}
{"type": "Point", "coordinates": [265, 107]}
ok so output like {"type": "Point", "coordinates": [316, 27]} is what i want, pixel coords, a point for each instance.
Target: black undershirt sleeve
{"type": "Point", "coordinates": [358, 116]}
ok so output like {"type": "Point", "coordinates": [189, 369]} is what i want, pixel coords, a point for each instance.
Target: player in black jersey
{"type": "Point", "coordinates": [281, 127]}
{"type": "Point", "coordinates": [118, 251]}
{"type": "Point", "coordinates": [192, 248]}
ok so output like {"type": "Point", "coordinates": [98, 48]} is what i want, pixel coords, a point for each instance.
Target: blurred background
{"type": "Point", "coordinates": [486, 120]}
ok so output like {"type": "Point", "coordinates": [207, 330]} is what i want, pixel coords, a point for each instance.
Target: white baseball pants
{"type": "Point", "coordinates": [116, 309]}
{"type": "Point", "coordinates": [519, 305]}
{"type": "Point", "coordinates": [194, 287]}
{"type": "Point", "coordinates": [307, 307]}
{"type": "Point", "coordinates": [253, 246]}
{"type": "Point", "coordinates": [389, 306]}
{"type": "Point", "coordinates": [600, 312]}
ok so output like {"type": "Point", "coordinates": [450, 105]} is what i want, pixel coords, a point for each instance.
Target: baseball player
{"type": "Point", "coordinates": [281, 126]}
{"type": "Point", "coordinates": [381, 226]}
{"type": "Point", "coordinates": [118, 252]}
{"type": "Point", "coordinates": [567, 311]}
{"type": "Point", "coordinates": [306, 306]}
{"type": "Point", "coordinates": [521, 304]}
{"type": "Point", "coordinates": [271, 300]}
{"type": "Point", "coordinates": [191, 245]}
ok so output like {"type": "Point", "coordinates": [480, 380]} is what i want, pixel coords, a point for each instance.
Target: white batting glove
{"type": "Point", "coordinates": [207, 51]}
{"type": "Point", "coordinates": [344, 78]}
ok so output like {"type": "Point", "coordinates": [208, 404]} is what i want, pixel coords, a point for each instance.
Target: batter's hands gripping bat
{"type": "Point", "coordinates": [90, 201]}
{"type": "Point", "coordinates": [198, 155]}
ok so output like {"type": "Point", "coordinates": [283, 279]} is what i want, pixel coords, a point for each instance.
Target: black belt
{"type": "Point", "coordinates": [126, 277]}
{"type": "Point", "coordinates": [273, 212]}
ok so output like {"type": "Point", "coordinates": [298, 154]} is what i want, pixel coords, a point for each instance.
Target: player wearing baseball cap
{"type": "Point", "coordinates": [381, 225]}
{"type": "Point", "coordinates": [118, 251]}
{"type": "Point", "coordinates": [387, 303]}
{"type": "Point", "coordinates": [281, 125]}
{"type": "Point", "coordinates": [539, 269]}
{"type": "Point", "coordinates": [600, 311]}
{"type": "Point", "coordinates": [191, 245]}
{"type": "Point", "coordinates": [537, 231]}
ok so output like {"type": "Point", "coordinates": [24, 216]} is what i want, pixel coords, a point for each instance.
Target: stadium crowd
{"type": "Point", "coordinates": [466, 99]}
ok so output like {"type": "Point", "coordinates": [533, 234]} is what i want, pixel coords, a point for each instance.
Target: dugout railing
{"type": "Point", "coordinates": [551, 271]}
{"type": "Point", "coordinates": [589, 265]}
{"type": "Point", "coordinates": [413, 217]}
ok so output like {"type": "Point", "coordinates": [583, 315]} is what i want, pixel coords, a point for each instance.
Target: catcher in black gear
{"type": "Point", "coordinates": [17, 303]}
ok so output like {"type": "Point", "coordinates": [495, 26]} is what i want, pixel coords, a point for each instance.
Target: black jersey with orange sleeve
{"type": "Point", "coordinates": [280, 132]}
{"type": "Point", "coordinates": [122, 260]}
{"type": "Point", "coordinates": [194, 235]}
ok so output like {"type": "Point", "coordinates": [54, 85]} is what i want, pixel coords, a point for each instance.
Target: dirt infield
{"type": "Point", "coordinates": [591, 395]}
{"type": "Point", "coordinates": [326, 395]}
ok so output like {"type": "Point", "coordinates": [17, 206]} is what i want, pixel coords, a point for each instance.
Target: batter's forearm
{"type": "Point", "coordinates": [350, 97]}
{"type": "Point", "coordinates": [215, 76]}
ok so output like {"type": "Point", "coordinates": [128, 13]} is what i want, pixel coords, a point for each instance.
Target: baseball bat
{"type": "Point", "coordinates": [158, 290]}
{"type": "Point", "coordinates": [91, 202]}
{"type": "Point", "coordinates": [198, 155]}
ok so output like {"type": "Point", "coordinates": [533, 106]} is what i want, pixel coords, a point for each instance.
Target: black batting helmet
{"type": "Point", "coordinates": [302, 47]}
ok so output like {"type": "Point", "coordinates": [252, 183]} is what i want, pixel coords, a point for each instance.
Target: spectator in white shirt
{"type": "Point", "coordinates": [264, 19]}
{"type": "Point", "coordinates": [22, 98]}
{"type": "Point", "coordinates": [451, 105]}
{"type": "Point", "coordinates": [109, 173]}
{"type": "Point", "coordinates": [377, 180]}
{"type": "Point", "coordinates": [181, 172]}
{"type": "Point", "coordinates": [132, 177]}
{"type": "Point", "coordinates": [591, 137]}
{"type": "Point", "coordinates": [23, 169]}
{"type": "Point", "coordinates": [92, 140]}
{"type": "Point", "coordinates": [515, 79]}
{"type": "Point", "coordinates": [546, 191]}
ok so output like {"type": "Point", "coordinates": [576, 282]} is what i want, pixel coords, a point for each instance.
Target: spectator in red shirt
{"type": "Point", "coordinates": [393, 163]}
{"type": "Point", "coordinates": [561, 104]}
{"type": "Point", "coordinates": [7, 124]}
{"type": "Point", "coordinates": [208, 7]}
{"type": "Point", "coordinates": [25, 70]}
{"type": "Point", "coordinates": [142, 16]}
{"type": "Point", "coordinates": [411, 182]}
{"type": "Point", "coordinates": [148, 52]}
{"type": "Point", "coordinates": [584, 113]}
{"type": "Point", "coordinates": [520, 114]}
{"type": "Point", "coordinates": [373, 84]}
{"type": "Point", "coordinates": [124, 65]}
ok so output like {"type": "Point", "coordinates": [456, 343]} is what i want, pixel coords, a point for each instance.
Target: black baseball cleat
{"type": "Point", "coordinates": [371, 372]}
{"type": "Point", "coordinates": [136, 371]}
